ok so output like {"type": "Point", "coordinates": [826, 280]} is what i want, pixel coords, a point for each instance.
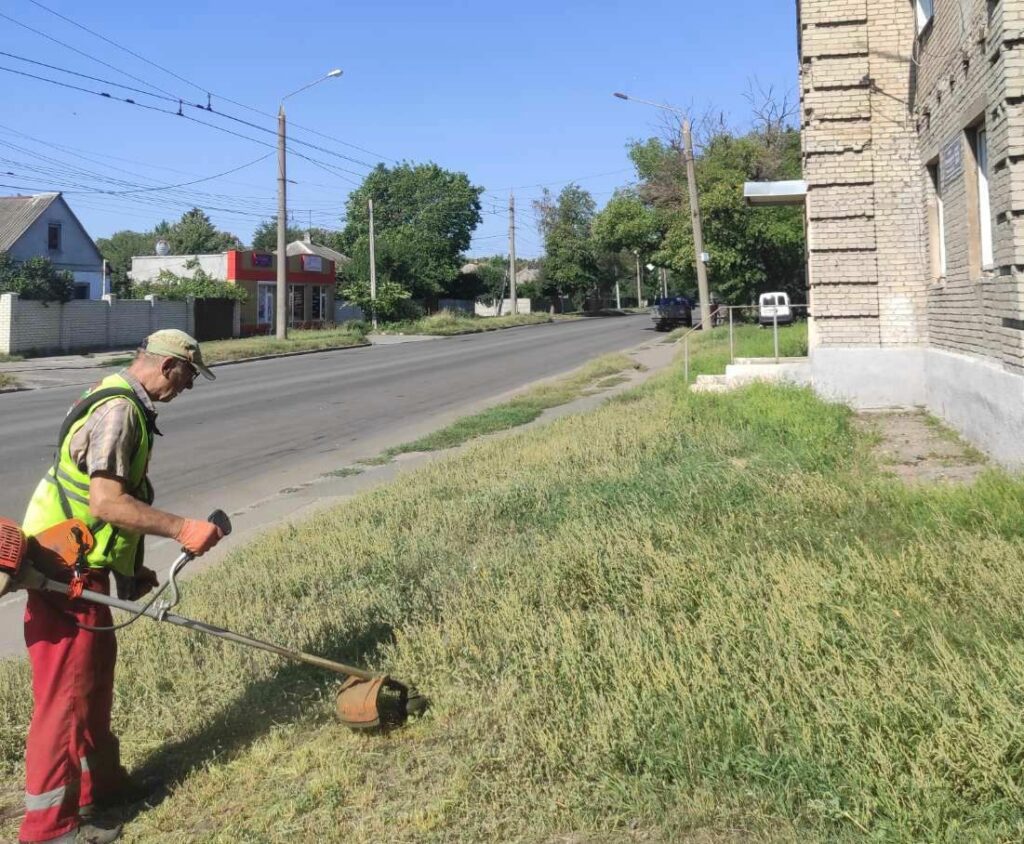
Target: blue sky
{"type": "Point", "coordinates": [513, 94]}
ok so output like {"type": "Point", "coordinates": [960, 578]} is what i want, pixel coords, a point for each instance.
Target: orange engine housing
{"type": "Point", "coordinates": [13, 546]}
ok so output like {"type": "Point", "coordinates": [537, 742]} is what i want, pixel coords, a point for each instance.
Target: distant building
{"type": "Point", "coordinates": [44, 226]}
{"type": "Point", "coordinates": [310, 278]}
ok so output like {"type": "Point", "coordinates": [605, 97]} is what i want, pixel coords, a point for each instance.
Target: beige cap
{"type": "Point", "coordinates": [177, 344]}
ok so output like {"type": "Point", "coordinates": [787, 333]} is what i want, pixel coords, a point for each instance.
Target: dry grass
{"type": "Point", "coordinates": [679, 617]}
{"type": "Point", "coordinates": [447, 323]}
{"type": "Point", "coordinates": [8, 381]}
{"type": "Point", "coordinates": [218, 351]}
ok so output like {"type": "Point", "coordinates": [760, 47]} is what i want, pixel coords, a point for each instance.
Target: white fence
{"type": "Point", "coordinates": [79, 325]}
{"type": "Point", "coordinates": [345, 311]}
{"type": "Point", "coordinates": [522, 307]}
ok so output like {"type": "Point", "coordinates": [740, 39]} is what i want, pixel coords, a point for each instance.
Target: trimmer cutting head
{"type": "Point", "coordinates": [377, 704]}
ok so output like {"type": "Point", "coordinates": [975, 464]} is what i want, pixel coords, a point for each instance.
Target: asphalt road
{"type": "Point", "coordinates": [266, 425]}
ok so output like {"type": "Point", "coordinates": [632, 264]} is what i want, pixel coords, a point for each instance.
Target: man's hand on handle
{"type": "Point", "coordinates": [197, 536]}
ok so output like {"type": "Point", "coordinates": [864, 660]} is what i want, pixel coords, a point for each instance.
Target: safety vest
{"type": "Point", "coordinates": [63, 493]}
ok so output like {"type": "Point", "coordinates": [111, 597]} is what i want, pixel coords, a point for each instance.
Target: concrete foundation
{"type": "Point", "coordinates": [982, 401]}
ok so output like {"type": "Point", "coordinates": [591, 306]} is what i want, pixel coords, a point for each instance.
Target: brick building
{"type": "Point", "coordinates": [913, 150]}
{"type": "Point", "coordinates": [310, 281]}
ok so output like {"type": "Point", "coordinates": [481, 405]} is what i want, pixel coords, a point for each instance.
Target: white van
{"type": "Point", "coordinates": [774, 308]}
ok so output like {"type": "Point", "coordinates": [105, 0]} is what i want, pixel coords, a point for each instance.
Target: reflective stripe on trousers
{"type": "Point", "coordinates": [71, 756]}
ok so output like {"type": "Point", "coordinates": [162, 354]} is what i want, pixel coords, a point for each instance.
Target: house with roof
{"type": "Point", "coordinates": [43, 225]}
{"type": "Point", "coordinates": [310, 279]}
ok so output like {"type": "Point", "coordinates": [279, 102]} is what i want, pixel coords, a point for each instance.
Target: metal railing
{"type": "Point", "coordinates": [733, 315]}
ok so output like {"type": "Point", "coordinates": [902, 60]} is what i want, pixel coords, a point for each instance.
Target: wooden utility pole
{"type": "Point", "coordinates": [282, 230]}
{"type": "Point", "coordinates": [636, 252]}
{"type": "Point", "coordinates": [373, 272]}
{"type": "Point", "coordinates": [512, 252]}
{"type": "Point", "coordinates": [698, 235]}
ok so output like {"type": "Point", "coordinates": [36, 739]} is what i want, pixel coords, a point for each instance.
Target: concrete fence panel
{"type": "Point", "coordinates": [112, 323]}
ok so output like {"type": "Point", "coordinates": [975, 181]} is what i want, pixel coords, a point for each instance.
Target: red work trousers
{"type": "Point", "coordinates": [71, 756]}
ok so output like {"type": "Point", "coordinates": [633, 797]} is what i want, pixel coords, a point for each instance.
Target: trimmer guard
{"type": "Point", "coordinates": [377, 703]}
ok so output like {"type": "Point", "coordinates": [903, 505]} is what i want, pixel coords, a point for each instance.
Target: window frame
{"type": "Point", "coordinates": [50, 229]}
{"type": "Point", "coordinates": [982, 160]}
{"type": "Point", "coordinates": [937, 220]}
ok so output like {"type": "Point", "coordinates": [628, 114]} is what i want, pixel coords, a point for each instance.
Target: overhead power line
{"type": "Point", "coordinates": [196, 85]}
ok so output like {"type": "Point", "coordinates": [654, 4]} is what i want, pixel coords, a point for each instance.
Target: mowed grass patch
{"type": "Point", "coordinates": [520, 410]}
{"type": "Point", "coordinates": [448, 323]}
{"type": "Point", "coordinates": [219, 351]}
{"type": "Point", "coordinates": [679, 617]}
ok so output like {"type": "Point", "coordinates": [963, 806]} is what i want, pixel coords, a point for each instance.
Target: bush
{"type": "Point", "coordinates": [36, 279]}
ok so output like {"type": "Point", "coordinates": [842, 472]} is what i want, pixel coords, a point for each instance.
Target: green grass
{"type": "Point", "coordinates": [447, 323]}
{"type": "Point", "coordinates": [343, 472]}
{"type": "Point", "coordinates": [518, 411]}
{"type": "Point", "coordinates": [11, 358]}
{"type": "Point", "coordinates": [679, 617]}
{"type": "Point", "coordinates": [219, 351]}
{"type": "Point", "coordinates": [8, 381]}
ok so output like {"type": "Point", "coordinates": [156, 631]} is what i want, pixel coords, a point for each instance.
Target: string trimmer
{"type": "Point", "coordinates": [54, 561]}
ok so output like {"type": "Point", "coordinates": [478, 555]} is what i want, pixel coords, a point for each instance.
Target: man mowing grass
{"type": "Point", "coordinates": [72, 762]}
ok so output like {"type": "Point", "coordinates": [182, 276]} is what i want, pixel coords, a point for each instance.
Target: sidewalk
{"type": "Point", "coordinates": [65, 370]}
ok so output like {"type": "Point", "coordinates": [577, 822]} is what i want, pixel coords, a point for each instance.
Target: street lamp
{"type": "Point", "coordinates": [699, 254]}
{"type": "Point", "coordinates": [282, 211]}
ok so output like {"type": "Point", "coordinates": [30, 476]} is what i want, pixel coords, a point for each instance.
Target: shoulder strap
{"type": "Point", "coordinates": [83, 405]}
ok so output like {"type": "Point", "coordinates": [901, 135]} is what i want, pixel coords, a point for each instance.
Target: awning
{"type": "Point", "coordinates": [793, 192]}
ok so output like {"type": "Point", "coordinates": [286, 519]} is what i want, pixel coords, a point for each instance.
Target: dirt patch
{"type": "Point", "coordinates": [917, 448]}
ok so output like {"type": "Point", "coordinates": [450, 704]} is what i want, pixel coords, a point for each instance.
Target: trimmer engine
{"type": "Point", "coordinates": [13, 547]}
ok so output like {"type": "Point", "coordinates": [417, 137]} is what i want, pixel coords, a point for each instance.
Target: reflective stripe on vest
{"type": "Point", "coordinates": [64, 490]}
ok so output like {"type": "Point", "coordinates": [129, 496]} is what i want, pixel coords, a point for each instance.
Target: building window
{"type": "Point", "coordinates": [81, 291]}
{"type": "Point", "coordinates": [265, 304]}
{"type": "Point", "coordinates": [53, 237]}
{"type": "Point", "coordinates": [298, 297]}
{"type": "Point", "coordinates": [925, 12]}
{"type": "Point", "coordinates": [318, 302]}
{"type": "Point", "coordinates": [937, 221]}
{"type": "Point", "coordinates": [981, 226]}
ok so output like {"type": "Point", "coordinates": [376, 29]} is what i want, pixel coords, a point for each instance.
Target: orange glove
{"type": "Point", "coordinates": [197, 537]}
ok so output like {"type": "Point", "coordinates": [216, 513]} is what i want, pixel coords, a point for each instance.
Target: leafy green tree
{"type": "Point", "coordinates": [194, 234]}
{"type": "Point", "coordinates": [751, 249]}
{"type": "Point", "coordinates": [424, 218]}
{"type": "Point", "coordinates": [390, 298]}
{"type": "Point", "coordinates": [35, 278]}
{"type": "Point", "coordinates": [570, 264]}
{"type": "Point", "coordinates": [118, 250]}
{"type": "Point", "coordinates": [265, 236]}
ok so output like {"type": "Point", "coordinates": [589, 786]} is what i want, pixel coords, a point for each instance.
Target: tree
{"type": "Point", "coordinates": [264, 238]}
{"type": "Point", "coordinates": [424, 218]}
{"type": "Point", "coordinates": [388, 302]}
{"type": "Point", "coordinates": [194, 234]}
{"type": "Point", "coordinates": [35, 278]}
{"type": "Point", "coordinates": [752, 249]}
{"type": "Point", "coordinates": [570, 266]}
{"type": "Point", "coordinates": [118, 250]}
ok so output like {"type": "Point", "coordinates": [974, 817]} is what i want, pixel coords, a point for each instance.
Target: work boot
{"type": "Point", "coordinates": [89, 833]}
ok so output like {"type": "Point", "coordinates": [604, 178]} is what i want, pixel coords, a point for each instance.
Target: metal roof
{"type": "Point", "coordinates": [792, 192]}
{"type": "Point", "coordinates": [17, 213]}
{"type": "Point", "coordinates": [302, 247]}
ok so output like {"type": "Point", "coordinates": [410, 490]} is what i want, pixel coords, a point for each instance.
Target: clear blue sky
{"type": "Point", "coordinates": [513, 94]}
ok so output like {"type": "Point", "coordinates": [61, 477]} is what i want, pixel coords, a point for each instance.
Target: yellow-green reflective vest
{"type": "Point", "coordinates": [63, 493]}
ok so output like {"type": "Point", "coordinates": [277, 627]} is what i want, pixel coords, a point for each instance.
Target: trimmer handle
{"type": "Point", "coordinates": [221, 520]}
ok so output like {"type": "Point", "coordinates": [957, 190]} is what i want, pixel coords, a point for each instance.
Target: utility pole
{"type": "Point", "coordinates": [636, 252]}
{"type": "Point", "coordinates": [512, 251]}
{"type": "Point", "coordinates": [282, 230]}
{"type": "Point", "coordinates": [664, 283]}
{"type": "Point", "coordinates": [698, 235]}
{"type": "Point", "coordinates": [618, 299]}
{"type": "Point", "coordinates": [373, 272]}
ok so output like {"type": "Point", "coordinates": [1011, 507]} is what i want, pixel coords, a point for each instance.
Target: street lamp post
{"type": "Point", "coordinates": [282, 211]}
{"type": "Point", "coordinates": [691, 180]}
